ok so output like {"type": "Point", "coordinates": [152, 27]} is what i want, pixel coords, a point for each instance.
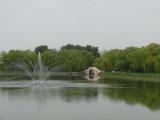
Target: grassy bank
{"type": "Point", "coordinates": [9, 76]}
{"type": "Point", "coordinates": [131, 76]}
{"type": "Point", "coordinates": [77, 75]}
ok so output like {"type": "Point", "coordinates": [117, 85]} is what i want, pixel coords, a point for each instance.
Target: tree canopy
{"type": "Point", "coordinates": [41, 49]}
{"type": "Point", "coordinates": [66, 59]}
{"type": "Point", "coordinates": [131, 59]}
{"type": "Point", "coordinates": [89, 48]}
{"type": "Point", "coordinates": [77, 58]}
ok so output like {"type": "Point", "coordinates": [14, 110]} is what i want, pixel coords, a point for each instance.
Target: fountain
{"type": "Point", "coordinates": [39, 71]}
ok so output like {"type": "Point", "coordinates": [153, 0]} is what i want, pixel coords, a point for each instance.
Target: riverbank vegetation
{"type": "Point", "coordinates": [75, 58]}
{"type": "Point", "coordinates": [154, 77]}
{"type": "Point", "coordinates": [131, 59]}
{"type": "Point", "coordinates": [67, 59]}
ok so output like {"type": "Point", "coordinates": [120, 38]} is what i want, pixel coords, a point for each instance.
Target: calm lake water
{"type": "Point", "coordinates": [79, 100]}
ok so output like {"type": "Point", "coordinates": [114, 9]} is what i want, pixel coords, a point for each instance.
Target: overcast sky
{"type": "Point", "coordinates": [25, 24]}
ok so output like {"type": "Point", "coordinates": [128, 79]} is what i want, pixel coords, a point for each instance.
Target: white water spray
{"type": "Point", "coordinates": [40, 71]}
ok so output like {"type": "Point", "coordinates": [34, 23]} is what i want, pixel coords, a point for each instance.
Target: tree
{"type": "Point", "coordinates": [108, 60]}
{"type": "Point", "coordinates": [89, 58]}
{"type": "Point", "coordinates": [137, 59]}
{"type": "Point", "coordinates": [14, 57]}
{"type": "Point", "coordinates": [72, 60]}
{"type": "Point", "coordinates": [1, 62]}
{"type": "Point", "coordinates": [153, 49]}
{"type": "Point", "coordinates": [41, 49]}
{"type": "Point", "coordinates": [100, 63]}
{"type": "Point", "coordinates": [77, 58]}
{"type": "Point", "coordinates": [89, 48]}
{"type": "Point", "coordinates": [50, 58]}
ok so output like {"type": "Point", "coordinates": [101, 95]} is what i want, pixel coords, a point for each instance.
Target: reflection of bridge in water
{"type": "Point", "coordinates": [92, 74]}
{"type": "Point", "coordinates": [92, 77]}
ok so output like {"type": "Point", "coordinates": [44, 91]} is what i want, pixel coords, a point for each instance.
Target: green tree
{"type": "Point", "coordinates": [14, 57]}
{"type": "Point", "coordinates": [73, 60]}
{"type": "Point", "coordinates": [41, 49]}
{"type": "Point", "coordinates": [1, 62]}
{"type": "Point", "coordinates": [89, 48]}
{"type": "Point", "coordinates": [89, 58]}
{"type": "Point", "coordinates": [153, 49]}
{"type": "Point", "coordinates": [50, 58]}
{"type": "Point", "coordinates": [137, 59]}
{"type": "Point", "coordinates": [100, 63]}
{"type": "Point", "coordinates": [109, 58]}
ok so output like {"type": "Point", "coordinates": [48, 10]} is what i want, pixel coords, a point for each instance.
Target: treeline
{"type": "Point", "coordinates": [77, 58]}
{"type": "Point", "coordinates": [131, 59]}
{"type": "Point", "coordinates": [68, 58]}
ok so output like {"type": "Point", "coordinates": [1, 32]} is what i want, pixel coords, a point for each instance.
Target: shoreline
{"type": "Point", "coordinates": [152, 77]}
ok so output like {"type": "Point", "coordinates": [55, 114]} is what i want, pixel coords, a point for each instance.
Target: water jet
{"type": "Point", "coordinates": [38, 70]}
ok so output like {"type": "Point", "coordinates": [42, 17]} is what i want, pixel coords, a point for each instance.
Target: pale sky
{"type": "Point", "coordinates": [107, 24]}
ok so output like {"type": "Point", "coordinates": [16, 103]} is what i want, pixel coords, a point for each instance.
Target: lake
{"type": "Point", "coordinates": [79, 100]}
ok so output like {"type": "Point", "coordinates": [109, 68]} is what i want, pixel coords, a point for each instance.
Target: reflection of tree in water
{"type": "Point", "coordinates": [42, 95]}
{"type": "Point", "coordinates": [145, 93]}
{"type": "Point", "coordinates": [78, 94]}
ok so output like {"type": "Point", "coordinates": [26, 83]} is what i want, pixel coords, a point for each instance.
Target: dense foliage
{"type": "Point", "coordinates": [1, 63]}
{"type": "Point", "coordinates": [41, 49]}
{"type": "Point", "coordinates": [131, 59]}
{"type": "Point", "coordinates": [77, 58]}
{"type": "Point", "coordinates": [63, 60]}
{"type": "Point", "coordinates": [89, 48]}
